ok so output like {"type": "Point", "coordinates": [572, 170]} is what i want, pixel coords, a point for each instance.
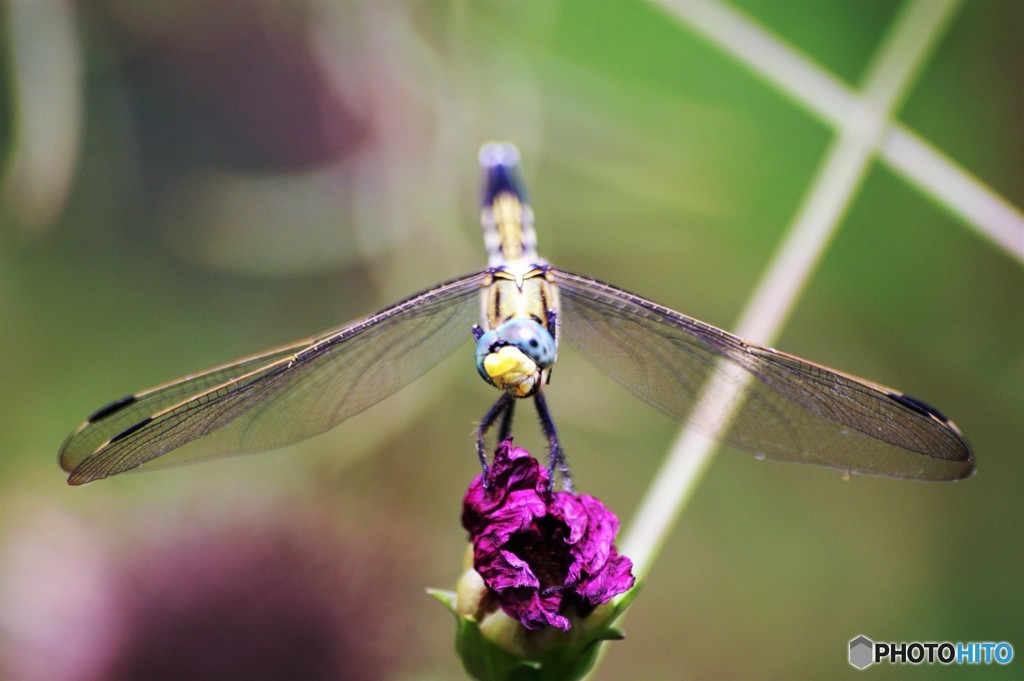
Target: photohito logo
{"type": "Point", "coordinates": [864, 652]}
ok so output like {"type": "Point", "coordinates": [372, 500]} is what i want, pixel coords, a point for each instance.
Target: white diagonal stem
{"type": "Point", "coordinates": [861, 132]}
{"type": "Point", "coordinates": [919, 162]}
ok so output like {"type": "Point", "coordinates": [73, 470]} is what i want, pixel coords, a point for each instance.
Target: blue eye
{"type": "Point", "coordinates": [530, 337]}
{"type": "Point", "coordinates": [483, 348]}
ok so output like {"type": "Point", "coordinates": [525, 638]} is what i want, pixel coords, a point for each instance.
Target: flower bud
{"type": "Point", "coordinates": [537, 597]}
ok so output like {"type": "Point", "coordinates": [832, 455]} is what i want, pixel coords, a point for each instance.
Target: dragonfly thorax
{"type": "Point", "coordinates": [516, 357]}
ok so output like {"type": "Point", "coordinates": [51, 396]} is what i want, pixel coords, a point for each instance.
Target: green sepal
{"type": "Point", "coordinates": [487, 661]}
{"type": "Point", "coordinates": [445, 597]}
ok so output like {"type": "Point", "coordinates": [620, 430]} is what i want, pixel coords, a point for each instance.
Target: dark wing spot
{"type": "Point", "coordinates": [125, 433]}
{"type": "Point", "coordinates": [111, 408]}
{"type": "Point", "coordinates": [918, 406]}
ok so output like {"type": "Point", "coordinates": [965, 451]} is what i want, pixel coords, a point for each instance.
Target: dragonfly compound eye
{"type": "Point", "coordinates": [532, 338]}
{"type": "Point", "coordinates": [484, 346]}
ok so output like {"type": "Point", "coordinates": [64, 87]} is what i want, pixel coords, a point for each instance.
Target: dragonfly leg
{"type": "Point", "coordinates": [502, 407]}
{"type": "Point", "coordinates": [557, 462]}
{"type": "Point", "coordinates": [505, 429]}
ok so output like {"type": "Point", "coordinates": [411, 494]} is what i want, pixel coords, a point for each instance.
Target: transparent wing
{"type": "Point", "coordinates": [280, 396]}
{"type": "Point", "coordinates": [789, 409]}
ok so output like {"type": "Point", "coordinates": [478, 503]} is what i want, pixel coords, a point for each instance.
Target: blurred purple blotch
{"type": "Point", "coordinates": [234, 84]}
{"type": "Point", "coordinates": [272, 596]}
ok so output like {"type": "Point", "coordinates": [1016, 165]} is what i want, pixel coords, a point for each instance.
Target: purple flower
{"type": "Point", "coordinates": [542, 554]}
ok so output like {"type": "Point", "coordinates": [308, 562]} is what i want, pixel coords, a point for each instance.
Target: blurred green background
{"type": "Point", "coordinates": [189, 182]}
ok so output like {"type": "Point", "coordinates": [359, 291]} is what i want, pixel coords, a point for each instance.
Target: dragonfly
{"type": "Point", "coordinates": [517, 310]}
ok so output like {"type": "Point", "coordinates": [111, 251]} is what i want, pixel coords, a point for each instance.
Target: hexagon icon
{"type": "Point", "coordinates": [862, 651]}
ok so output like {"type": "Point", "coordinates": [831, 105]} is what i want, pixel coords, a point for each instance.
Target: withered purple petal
{"type": "Point", "coordinates": [535, 610]}
{"type": "Point", "coordinates": [505, 570]}
{"type": "Point", "coordinates": [516, 483]}
{"type": "Point", "coordinates": [600, 534]}
{"type": "Point", "coordinates": [614, 578]}
{"type": "Point", "coordinates": [569, 509]}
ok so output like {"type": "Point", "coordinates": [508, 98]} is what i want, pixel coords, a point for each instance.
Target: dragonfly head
{"type": "Point", "coordinates": [516, 357]}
